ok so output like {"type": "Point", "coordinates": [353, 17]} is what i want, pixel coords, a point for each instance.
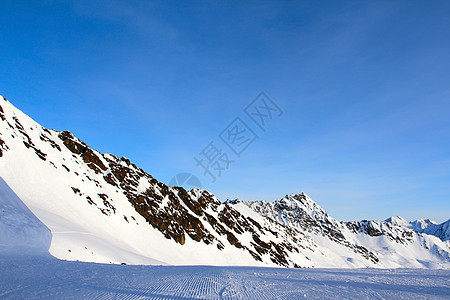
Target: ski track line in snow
{"type": "Point", "coordinates": [44, 277]}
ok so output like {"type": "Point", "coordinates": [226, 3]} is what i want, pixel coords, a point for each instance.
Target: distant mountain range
{"type": "Point", "coordinates": [102, 208]}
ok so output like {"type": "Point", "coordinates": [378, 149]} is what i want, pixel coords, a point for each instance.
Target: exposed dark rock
{"type": "Point", "coordinates": [76, 191]}
{"type": "Point", "coordinates": [19, 125]}
{"type": "Point", "coordinates": [71, 143]}
{"type": "Point", "coordinates": [28, 142]}
{"type": "Point", "coordinates": [367, 254]}
{"type": "Point", "coordinates": [220, 246]}
{"type": "Point", "coordinates": [2, 114]}
{"type": "Point", "coordinates": [3, 146]}
{"type": "Point", "coordinates": [89, 200]}
{"type": "Point", "coordinates": [40, 154]}
{"type": "Point", "coordinates": [254, 255]}
{"type": "Point", "coordinates": [260, 246]}
{"type": "Point", "coordinates": [78, 147]}
{"type": "Point", "coordinates": [233, 219]}
{"type": "Point", "coordinates": [105, 211]}
{"type": "Point", "coordinates": [109, 178]}
{"type": "Point", "coordinates": [93, 161]}
{"type": "Point", "coordinates": [47, 131]}
{"type": "Point", "coordinates": [107, 204]}
{"type": "Point", "coordinates": [233, 240]}
{"type": "Point", "coordinates": [50, 141]}
{"type": "Point", "coordinates": [364, 226]}
{"type": "Point", "coordinates": [218, 227]}
{"type": "Point", "coordinates": [278, 255]}
{"type": "Point", "coordinates": [126, 160]}
{"type": "Point", "coordinates": [120, 172]}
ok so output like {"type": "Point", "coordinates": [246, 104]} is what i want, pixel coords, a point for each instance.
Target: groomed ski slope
{"type": "Point", "coordinates": [45, 277]}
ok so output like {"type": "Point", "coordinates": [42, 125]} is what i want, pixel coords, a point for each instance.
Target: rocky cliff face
{"type": "Point", "coordinates": [104, 208]}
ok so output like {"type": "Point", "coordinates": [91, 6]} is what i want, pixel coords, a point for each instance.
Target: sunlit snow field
{"type": "Point", "coordinates": [45, 277]}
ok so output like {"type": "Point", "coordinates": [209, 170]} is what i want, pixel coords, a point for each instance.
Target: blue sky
{"type": "Point", "coordinates": [364, 87]}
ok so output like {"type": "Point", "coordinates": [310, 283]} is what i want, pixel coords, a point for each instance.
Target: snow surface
{"type": "Point", "coordinates": [48, 278]}
{"type": "Point", "coordinates": [20, 230]}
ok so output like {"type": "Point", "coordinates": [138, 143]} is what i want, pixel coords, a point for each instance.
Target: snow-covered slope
{"type": "Point", "coordinates": [102, 208]}
{"type": "Point", "coordinates": [442, 231]}
{"type": "Point", "coordinates": [20, 230]}
{"type": "Point", "coordinates": [426, 226]}
{"type": "Point", "coordinates": [430, 227]}
{"type": "Point", "coordinates": [354, 244]}
{"type": "Point", "coordinates": [421, 224]}
{"type": "Point", "coordinates": [47, 278]}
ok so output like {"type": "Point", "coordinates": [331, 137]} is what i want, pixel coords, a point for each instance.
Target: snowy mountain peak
{"type": "Point", "coordinates": [234, 201]}
{"type": "Point", "coordinates": [441, 231]}
{"type": "Point", "coordinates": [421, 224]}
{"type": "Point", "coordinates": [304, 202]}
{"type": "Point", "coordinates": [397, 220]}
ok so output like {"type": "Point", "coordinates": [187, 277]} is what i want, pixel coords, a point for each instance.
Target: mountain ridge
{"type": "Point", "coordinates": [106, 209]}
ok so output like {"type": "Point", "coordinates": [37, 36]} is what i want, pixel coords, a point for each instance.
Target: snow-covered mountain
{"type": "Point", "coordinates": [442, 231]}
{"type": "Point", "coordinates": [421, 224]}
{"type": "Point", "coordinates": [103, 208]}
{"type": "Point", "coordinates": [427, 226]}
